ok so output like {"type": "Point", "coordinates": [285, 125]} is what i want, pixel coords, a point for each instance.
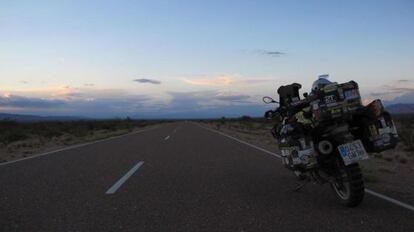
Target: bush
{"type": "Point", "coordinates": [11, 131]}
{"type": "Point", "coordinates": [12, 135]}
{"type": "Point", "coordinates": [245, 118]}
{"type": "Point", "coordinates": [405, 127]}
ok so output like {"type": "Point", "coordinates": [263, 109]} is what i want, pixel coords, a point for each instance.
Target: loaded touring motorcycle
{"type": "Point", "coordinates": [323, 136]}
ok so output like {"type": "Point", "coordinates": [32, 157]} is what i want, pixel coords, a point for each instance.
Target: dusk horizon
{"type": "Point", "coordinates": [150, 59]}
{"type": "Point", "coordinates": [154, 115]}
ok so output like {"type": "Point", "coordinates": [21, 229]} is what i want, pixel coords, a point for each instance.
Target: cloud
{"type": "Point", "coordinates": [389, 91]}
{"type": "Point", "coordinates": [380, 94]}
{"type": "Point", "coordinates": [209, 104]}
{"type": "Point", "coordinates": [196, 100]}
{"type": "Point", "coordinates": [393, 89]}
{"type": "Point", "coordinates": [188, 100]}
{"type": "Point", "coordinates": [271, 53]}
{"type": "Point", "coordinates": [406, 98]}
{"type": "Point", "coordinates": [13, 101]}
{"type": "Point", "coordinates": [106, 103]}
{"type": "Point", "coordinates": [398, 91]}
{"type": "Point", "coordinates": [110, 106]}
{"type": "Point", "coordinates": [149, 81]}
{"type": "Point", "coordinates": [404, 81]}
{"type": "Point", "coordinates": [89, 107]}
{"type": "Point", "coordinates": [220, 80]}
{"type": "Point", "coordinates": [255, 81]}
{"type": "Point", "coordinates": [89, 102]}
{"type": "Point", "coordinates": [233, 98]}
{"type": "Point", "coordinates": [401, 89]}
{"type": "Point", "coordinates": [223, 80]}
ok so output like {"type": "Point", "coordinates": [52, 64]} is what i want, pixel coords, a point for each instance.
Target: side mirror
{"type": "Point", "coordinates": [269, 114]}
{"type": "Point", "coordinates": [268, 100]}
{"type": "Point", "coordinates": [305, 94]}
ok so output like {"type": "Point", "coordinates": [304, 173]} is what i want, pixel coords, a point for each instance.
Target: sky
{"type": "Point", "coordinates": [185, 59]}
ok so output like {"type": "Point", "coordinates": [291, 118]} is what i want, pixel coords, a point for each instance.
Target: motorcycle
{"type": "Point", "coordinates": [323, 136]}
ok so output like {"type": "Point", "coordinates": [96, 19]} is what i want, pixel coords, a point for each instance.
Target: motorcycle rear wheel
{"type": "Point", "coordinates": [349, 185]}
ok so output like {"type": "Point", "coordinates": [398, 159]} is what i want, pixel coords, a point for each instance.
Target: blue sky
{"type": "Point", "coordinates": [195, 58]}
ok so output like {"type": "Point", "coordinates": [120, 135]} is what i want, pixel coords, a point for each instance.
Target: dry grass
{"type": "Point", "coordinates": [12, 131]}
{"type": "Point", "coordinates": [369, 178]}
{"type": "Point", "coordinates": [385, 170]}
{"type": "Point", "coordinates": [405, 126]}
{"type": "Point", "coordinates": [260, 128]}
{"type": "Point", "coordinates": [403, 160]}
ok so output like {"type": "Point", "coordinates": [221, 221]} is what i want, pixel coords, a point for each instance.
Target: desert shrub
{"type": "Point", "coordinates": [403, 160]}
{"type": "Point", "coordinates": [8, 124]}
{"type": "Point", "coordinates": [45, 129]}
{"type": "Point", "coordinates": [369, 178]}
{"type": "Point", "coordinates": [11, 131]}
{"type": "Point", "coordinates": [407, 136]}
{"type": "Point", "coordinates": [245, 118]}
{"type": "Point", "coordinates": [14, 136]}
{"type": "Point", "coordinates": [405, 127]}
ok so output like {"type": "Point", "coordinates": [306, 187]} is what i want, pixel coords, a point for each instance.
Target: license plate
{"type": "Point", "coordinates": [352, 152]}
{"type": "Point", "coordinates": [329, 99]}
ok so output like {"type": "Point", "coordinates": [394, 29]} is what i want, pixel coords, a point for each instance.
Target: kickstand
{"type": "Point", "coordinates": [299, 187]}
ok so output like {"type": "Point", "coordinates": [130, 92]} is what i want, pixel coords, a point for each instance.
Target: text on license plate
{"type": "Point", "coordinates": [352, 152]}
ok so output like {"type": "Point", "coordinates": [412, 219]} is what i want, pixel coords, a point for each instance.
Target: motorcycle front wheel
{"type": "Point", "coordinates": [349, 185]}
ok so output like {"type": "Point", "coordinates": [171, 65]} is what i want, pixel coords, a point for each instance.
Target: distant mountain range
{"type": "Point", "coordinates": [33, 118]}
{"type": "Point", "coordinates": [401, 108]}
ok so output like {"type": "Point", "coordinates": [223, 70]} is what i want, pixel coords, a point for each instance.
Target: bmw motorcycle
{"type": "Point", "coordinates": [323, 136]}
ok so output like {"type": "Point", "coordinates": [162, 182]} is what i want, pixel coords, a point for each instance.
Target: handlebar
{"type": "Point", "coordinates": [268, 100]}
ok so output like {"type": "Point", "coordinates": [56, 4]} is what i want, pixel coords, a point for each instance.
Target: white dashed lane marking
{"type": "Point", "coordinates": [121, 181]}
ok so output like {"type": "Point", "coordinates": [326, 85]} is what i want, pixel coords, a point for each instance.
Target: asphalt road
{"type": "Point", "coordinates": [177, 177]}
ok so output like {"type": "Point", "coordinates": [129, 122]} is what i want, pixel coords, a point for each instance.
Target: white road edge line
{"type": "Point", "coordinates": [386, 198]}
{"type": "Point", "coordinates": [77, 146]}
{"type": "Point", "coordinates": [121, 181]}
{"type": "Point", "coordinates": [166, 138]}
{"type": "Point", "coordinates": [373, 193]}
